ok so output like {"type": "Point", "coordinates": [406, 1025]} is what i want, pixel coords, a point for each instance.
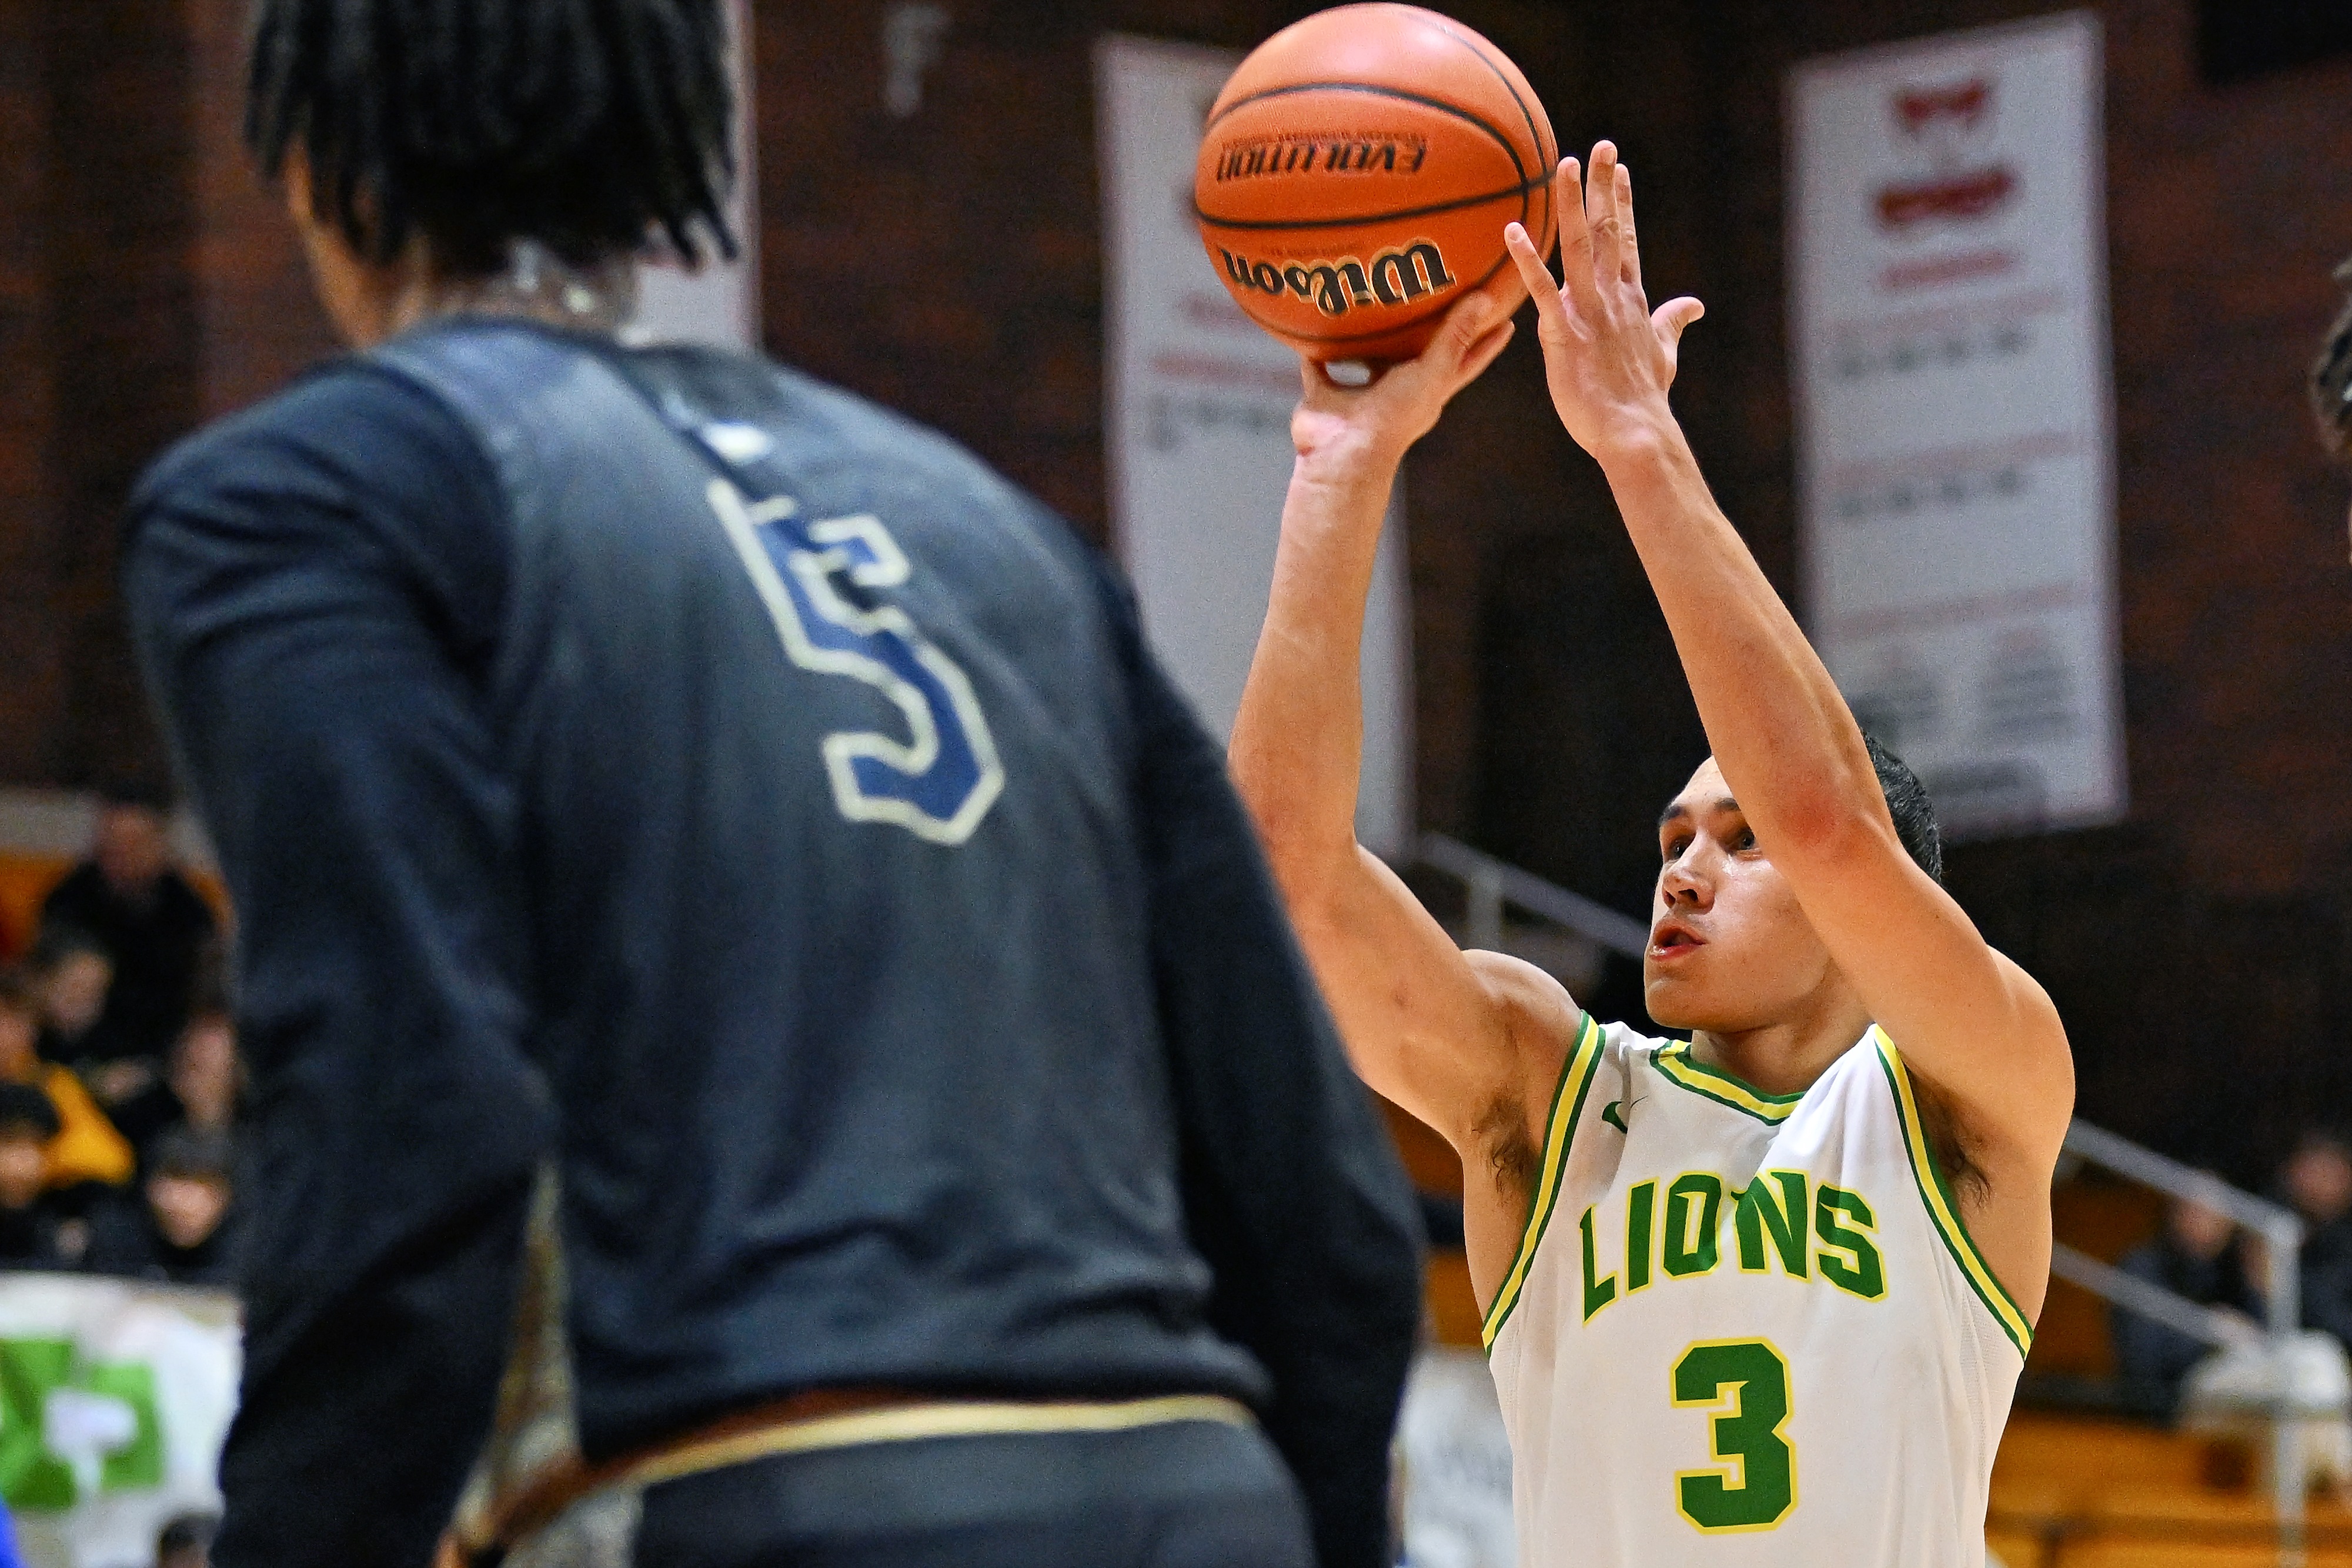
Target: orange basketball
{"type": "Point", "coordinates": [1357, 172]}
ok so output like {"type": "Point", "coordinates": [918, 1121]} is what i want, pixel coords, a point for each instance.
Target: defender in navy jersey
{"type": "Point", "coordinates": [657, 768]}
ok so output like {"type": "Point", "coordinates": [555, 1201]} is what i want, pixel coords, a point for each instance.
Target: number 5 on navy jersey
{"type": "Point", "coordinates": [940, 782]}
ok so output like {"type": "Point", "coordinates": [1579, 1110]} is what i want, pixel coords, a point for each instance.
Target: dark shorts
{"type": "Point", "coordinates": [1194, 1494]}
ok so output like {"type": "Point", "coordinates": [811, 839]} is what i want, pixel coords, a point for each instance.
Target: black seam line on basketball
{"type": "Point", "coordinates": [1517, 102]}
{"type": "Point", "coordinates": [1506, 194]}
{"type": "Point", "coordinates": [1280, 331]}
{"type": "Point", "coordinates": [1533, 135]}
{"type": "Point", "coordinates": [1369, 90]}
{"type": "Point", "coordinates": [1527, 184]}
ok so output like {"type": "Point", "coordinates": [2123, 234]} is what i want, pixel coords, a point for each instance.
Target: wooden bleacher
{"type": "Point", "coordinates": [25, 880]}
{"type": "Point", "coordinates": [2086, 1492]}
{"type": "Point", "coordinates": [2089, 1491]}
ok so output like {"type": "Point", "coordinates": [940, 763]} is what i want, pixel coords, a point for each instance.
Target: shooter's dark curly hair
{"type": "Point", "coordinates": [1907, 804]}
{"type": "Point", "coordinates": [2330, 382]}
{"type": "Point", "coordinates": [585, 125]}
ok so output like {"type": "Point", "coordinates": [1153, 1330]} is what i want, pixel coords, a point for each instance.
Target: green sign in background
{"type": "Point", "coordinates": [31, 1477]}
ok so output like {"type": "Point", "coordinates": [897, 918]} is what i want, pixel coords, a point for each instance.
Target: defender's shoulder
{"type": "Point", "coordinates": [350, 425]}
{"type": "Point", "coordinates": [816, 415]}
{"type": "Point", "coordinates": [856, 453]}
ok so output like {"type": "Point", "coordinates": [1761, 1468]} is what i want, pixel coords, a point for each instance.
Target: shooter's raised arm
{"type": "Point", "coordinates": [1432, 1028]}
{"type": "Point", "coordinates": [1972, 1023]}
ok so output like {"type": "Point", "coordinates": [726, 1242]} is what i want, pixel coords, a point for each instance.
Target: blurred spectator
{"type": "Point", "coordinates": [2199, 1256]}
{"type": "Point", "coordinates": [35, 1231]}
{"type": "Point", "coordinates": [177, 1229]}
{"type": "Point", "coordinates": [2316, 1182]}
{"type": "Point", "coordinates": [130, 896]}
{"type": "Point", "coordinates": [201, 1087]}
{"type": "Point", "coordinates": [186, 1542]}
{"type": "Point", "coordinates": [87, 1148]}
{"type": "Point", "coordinates": [72, 972]}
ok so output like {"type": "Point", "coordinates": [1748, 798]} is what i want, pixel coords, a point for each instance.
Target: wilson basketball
{"type": "Point", "coordinates": [1357, 172]}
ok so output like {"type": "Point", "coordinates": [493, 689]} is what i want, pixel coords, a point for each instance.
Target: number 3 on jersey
{"type": "Point", "coordinates": [940, 782]}
{"type": "Point", "coordinates": [1748, 1381]}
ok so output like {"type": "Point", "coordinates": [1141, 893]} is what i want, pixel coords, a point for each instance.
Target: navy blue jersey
{"type": "Point", "coordinates": [787, 833]}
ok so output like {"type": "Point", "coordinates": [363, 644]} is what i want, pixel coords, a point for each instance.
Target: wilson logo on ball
{"type": "Point", "coordinates": [1397, 275]}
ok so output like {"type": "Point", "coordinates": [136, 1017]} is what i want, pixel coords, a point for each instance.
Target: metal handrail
{"type": "Point", "coordinates": [2174, 1311]}
{"type": "Point", "coordinates": [1493, 883]}
{"type": "Point", "coordinates": [2282, 1232]}
{"type": "Point", "coordinates": [2145, 1165]}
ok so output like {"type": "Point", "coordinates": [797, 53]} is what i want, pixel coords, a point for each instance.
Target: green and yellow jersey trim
{"type": "Point", "coordinates": [1673, 1060]}
{"type": "Point", "coordinates": [1943, 1210]}
{"type": "Point", "coordinates": [1576, 1077]}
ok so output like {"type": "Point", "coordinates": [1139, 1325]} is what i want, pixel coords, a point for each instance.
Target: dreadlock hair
{"type": "Point", "coordinates": [2330, 385]}
{"type": "Point", "coordinates": [585, 125]}
{"type": "Point", "coordinates": [1907, 804]}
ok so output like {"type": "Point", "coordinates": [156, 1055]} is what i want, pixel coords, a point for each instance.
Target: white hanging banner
{"type": "Point", "coordinates": [1198, 429]}
{"type": "Point", "coordinates": [1955, 418]}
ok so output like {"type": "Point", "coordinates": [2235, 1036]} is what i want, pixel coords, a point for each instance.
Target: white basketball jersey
{"type": "Point", "coordinates": [1747, 1329]}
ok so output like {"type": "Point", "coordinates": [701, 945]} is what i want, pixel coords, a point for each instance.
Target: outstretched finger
{"type": "Point", "coordinates": [1550, 312]}
{"type": "Point", "coordinates": [1601, 217]}
{"type": "Point", "coordinates": [1566, 196]}
{"type": "Point", "coordinates": [1632, 272]}
{"type": "Point", "coordinates": [1575, 239]}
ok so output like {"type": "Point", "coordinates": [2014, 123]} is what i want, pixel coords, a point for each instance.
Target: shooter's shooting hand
{"type": "Point", "coordinates": [1345, 433]}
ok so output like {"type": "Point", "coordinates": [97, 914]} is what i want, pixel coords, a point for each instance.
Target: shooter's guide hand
{"type": "Point", "coordinates": [1608, 357]}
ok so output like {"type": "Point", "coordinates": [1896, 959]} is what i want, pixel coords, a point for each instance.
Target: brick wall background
{"type": "Point", "coordinates": [949, 264]}
{"type": "Point", "coordinates": [126, 354]}
{"type": "Point", "coordinates": [30, 652]}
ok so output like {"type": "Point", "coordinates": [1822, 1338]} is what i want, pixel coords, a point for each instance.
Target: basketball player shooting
{"type": "Point", "coordinates": [1760, 1297]}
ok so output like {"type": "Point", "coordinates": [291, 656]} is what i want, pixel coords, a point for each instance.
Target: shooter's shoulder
{"type": "Point", "coordinates": [1544, 1026]}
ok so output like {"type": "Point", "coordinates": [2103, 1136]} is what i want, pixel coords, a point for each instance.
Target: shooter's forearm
{"type": "Point", "coordinates": [1297, 743]}
{"type": "Point", "coordinates": [1781, 730]}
